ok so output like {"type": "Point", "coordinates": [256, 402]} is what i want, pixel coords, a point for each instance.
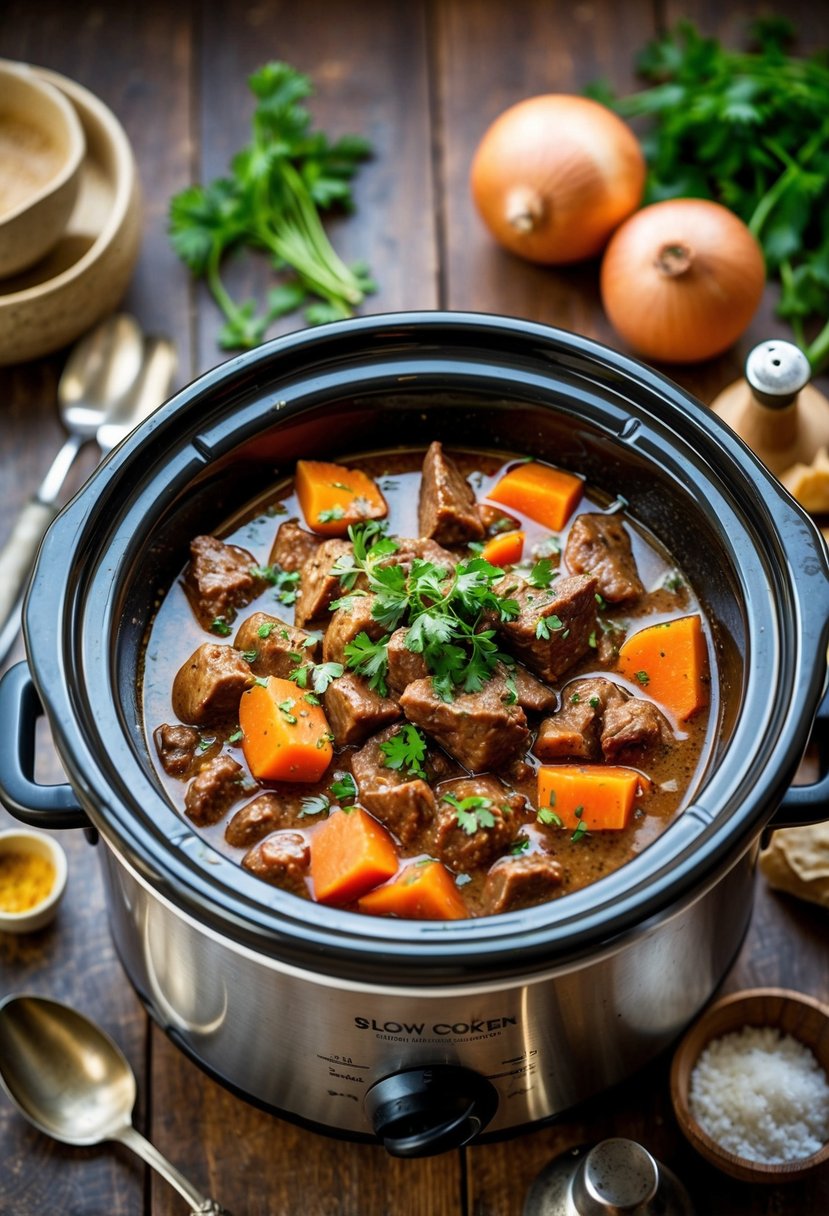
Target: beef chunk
{"type": "Point", "coordinates": [208, 687]}
{"type": "Point", "coordinates": [520, 882]}
{"type": "Point", "coordinates": [599, 719]}
{"type": "Point", "coordinates": [275, 645]}
{"type": "Point", "coordinates": [481, 729]}
{"type": "Point", "coordinates": [354, 711]}
{"type": "Point", "coordinates": [495, 519]}
{"type": "Point", "coordinates": [176, 747]}
{"type": "Point", "coordinates": [462, 849]}
{"type": "Point", "coordinates": [403, 802]}
{"type": "Point", "coordinates": [447, 511]}
{"type": "Point", "coordinates": [344, 625]}
{"type": "Point", "coordinates": [293, 546]}
{"type": "Point", "coordinates": [218, 580]}
{"type": "Point", "coordinates": [533, 695]}
{"type": "Point", "coordinates": [404, 665]}
{"type": "Point", "coordinates": [317, 585]}
{"type": "Point", "coordinates": [633, 724]}
{"type": "Point", "coordinates": [282, 860]}
{"type": "Point", "coordinates": [213, 790]}
{"type": "Point", "coordinates": [599, 545]}
{"type": "Point", "coordinates": [553, 628]}
{"type": "Point", "coordinates": [265, 814]}
{"type": "Point", "coordinates": [610, 639]}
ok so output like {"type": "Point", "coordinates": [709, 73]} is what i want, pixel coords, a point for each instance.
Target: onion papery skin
{"type": "Point", "coordinates": [554, 176]}
{"type": "Point", "coordinates": [702, 309]}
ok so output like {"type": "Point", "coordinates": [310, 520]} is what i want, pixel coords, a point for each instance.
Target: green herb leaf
{"type": "Point", "coordinates": [220, 626]}
{"type": "Point", "coordinates": [546, 815]}
{"type": "Point", "coordinates": [369, 659]}
{"type": "Point", "coordinates": [472, 813]}
{"type": "Point", "coordinates": [405, 750]}
{"type": "Point", "coordinates": [344, 788]}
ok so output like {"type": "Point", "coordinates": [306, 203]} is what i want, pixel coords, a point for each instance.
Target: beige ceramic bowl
{"type": "Point", "coordinates": [87, 272]}
{"type": "Point", "coordinates": [29, 841]}
{"type": "Point", "coordinates": [791, 1013]}
{"type": "Point", "coordinates": [42, 148]}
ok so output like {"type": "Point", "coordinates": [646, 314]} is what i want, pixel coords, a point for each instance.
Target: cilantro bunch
{"type": "Point", "coordinates": [751, 131]}
{"type": "Point", "coordinates": [447, 613]}
{"type": "Point", "coordinates": [279, 183]}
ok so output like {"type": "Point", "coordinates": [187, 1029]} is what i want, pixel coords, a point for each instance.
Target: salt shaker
{"type": "Point", "coordinates": [615, 1177]}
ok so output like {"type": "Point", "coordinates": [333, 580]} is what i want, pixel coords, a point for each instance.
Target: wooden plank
{"type": "Point", "coordinates": [134, 57]}
{"type": "Point", "coordinates": [368, 68]}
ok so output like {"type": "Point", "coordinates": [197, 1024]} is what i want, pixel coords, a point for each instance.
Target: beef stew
{"type": "Point", "coordinates": [411, 688]}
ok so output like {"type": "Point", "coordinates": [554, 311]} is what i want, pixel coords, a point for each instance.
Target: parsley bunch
{"type": "Point", "coordinates": [750, 130]}
{"type": "Point", "coordinates": [447, 613]}
{"type": "Point", "coordinates": [279, 183]}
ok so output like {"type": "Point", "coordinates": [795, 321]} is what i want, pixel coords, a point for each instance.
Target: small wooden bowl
{"type": "Point", "coordinates": [44, 148]}
{"type": "Point", "coordinates": [804, 1018]}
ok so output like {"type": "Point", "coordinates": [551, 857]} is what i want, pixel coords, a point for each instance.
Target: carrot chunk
{"type": "Point", "coordinates": [670, 662]}
{"type": "Point", "coordinates": [598, 796]}
{"type": "Point", "coordinates": [540, 492]}
{"type": "Point", "coordinates": [284, 738]}
{"type": "Point", "coordinates": [423, 891]}
{"type": "Point", "coordinates": [350, 853]}
{"type": "Point", "coordinates": [333, 497]}
{"type": "Point", "coordinates": [504, 550]}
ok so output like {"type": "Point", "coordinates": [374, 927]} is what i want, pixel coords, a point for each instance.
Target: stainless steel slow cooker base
{"type": "Point", "coordinates": [311, 1046]}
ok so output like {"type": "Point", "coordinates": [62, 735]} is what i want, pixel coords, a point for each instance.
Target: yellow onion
{"type": "Point", "coordinates": [554, 175]}
{"type": "Point", "coordinates": [681, 280]}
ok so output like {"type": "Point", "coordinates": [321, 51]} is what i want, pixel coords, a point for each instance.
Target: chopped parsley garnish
{"type": "Point", "coordinates": [542, 573]}
{"type": "Point", "coordinates": [250, 656]}
{"type": "Point", "coordinates": [369, 659]}
{"type": "Point", "coordinates": [592, 641]}
{"type": "Point", "coordinates": [205, 744]}
{"type": "Point", "coordinates": [262, 681]}
{"type": "Point", "coordinates": [284, 583]}
{"type": "Point", "coordinates": [546, 623]}
{"type": "Point", "coordinates": [330, 514]}
{"type": "Point", "coordinates": [547, 815]}
{"type": "Point", "coordinates": [285, 708]}
{"type": "Point", "coordinates": [323, 673]}
{"type": "Point", "coordinates": [237, 736]}
{"type": "Point", "coordinates": [642, 678]}
{"type": "Point", "coordinates": [581, 830]}
{"type": "Point", "coordinates": [405, 750]}
{"type": "Point", "coordinates": [444, 611]}
{"type": "Point", "coordinates": [594, 702]}
{"type": "Point", "coordinates": [220, 626]}
{"type": "Point", "coordinates": [314, 804]}
{"type": "Point", "coordinates": [575, 699]}
{"type": "Point", "coordinates": [472, 813]}
{"type": "Point", "coordinates": [344, 788]}
{"type": "Point", "coordinates": [673, 581]}
{"type": "Point", "coordinates": [519, 846]}
{"type": "Point", "coordinates": [265, 630]}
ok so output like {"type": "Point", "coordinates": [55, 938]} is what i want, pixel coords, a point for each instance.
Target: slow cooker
{"type": "Point", "coordinates": [421, 1034]}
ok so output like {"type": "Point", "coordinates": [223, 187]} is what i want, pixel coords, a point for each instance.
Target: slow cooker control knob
{"type": "Point", "coordinates": [422, 1111]}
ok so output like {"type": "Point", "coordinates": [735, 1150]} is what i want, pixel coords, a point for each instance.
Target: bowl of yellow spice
{"type": "Point", "coordinates": [32, 879]}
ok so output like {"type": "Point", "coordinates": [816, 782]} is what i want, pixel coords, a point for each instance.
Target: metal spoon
{"type": "Point", "coordinates": [98, 372]}
{"type": "Point", "coordinates": [149, 388]}
{"type": "Point", "coordinates": [72, 1082]}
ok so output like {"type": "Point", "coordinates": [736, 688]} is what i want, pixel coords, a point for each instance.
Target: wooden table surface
{"type": "Point", "coordinates": [422, 80]}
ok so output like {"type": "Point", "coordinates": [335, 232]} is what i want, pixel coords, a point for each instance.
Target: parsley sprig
{"type": "Point", "coordinates": [446, 612]}
{"type": "Point", "coordinates": [405, 751]}
{"type": "Point", "coordinates": [472, 813]}
{"type": "Point", "coordinates": [278, 185]}
{"type": "Point", "coordinates": [750, 130]}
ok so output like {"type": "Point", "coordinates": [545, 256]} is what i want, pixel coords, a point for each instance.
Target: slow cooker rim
{"type": "Point", "coordinates": [94, 792]}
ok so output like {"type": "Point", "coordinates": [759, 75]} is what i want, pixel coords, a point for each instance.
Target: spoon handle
{"type": "Point", "coordinates": [18, 554]}
{"type": "Point", "coordinates": [149, 1153]}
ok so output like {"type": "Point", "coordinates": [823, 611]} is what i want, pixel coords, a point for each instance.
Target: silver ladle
{"type": "Point", "coordinates": [74, 1083]}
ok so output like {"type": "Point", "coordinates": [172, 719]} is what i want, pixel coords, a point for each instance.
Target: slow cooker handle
{"type": "Point", "coordinates": [40, 806]}
{"type": "Point", "coordinates": [422, 1111]}
{"type": "Point", "coordinates": [804, 804]}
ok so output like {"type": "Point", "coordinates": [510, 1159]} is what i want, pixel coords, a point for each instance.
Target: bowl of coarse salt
{"type": "Point", "coordinates": [750, 1084]}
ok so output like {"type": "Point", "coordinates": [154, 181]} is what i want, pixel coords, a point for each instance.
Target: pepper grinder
{"type": "Point", "coordinates": [779, 414]}
{"type": "Point", "coordinates": [615, 1177]}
